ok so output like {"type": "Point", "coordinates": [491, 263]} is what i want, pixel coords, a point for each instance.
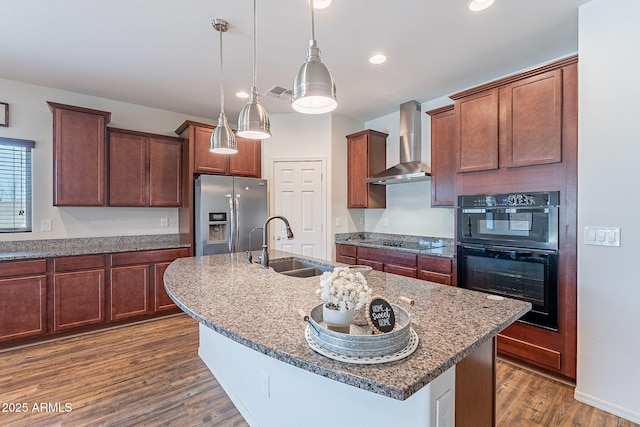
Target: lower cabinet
{"type": "Point", "coordinates": [44, 297]}
{"type": "Point", "coordinates": [137, 287]}
{"type": "Point", "coordinates": [23, 299]}
{"type": "Point", "coordinates": [78, 291]}
{"type": "Point", "coordinates": [435, 269]}
{"type": "Point", "coordinates": [431, 268]}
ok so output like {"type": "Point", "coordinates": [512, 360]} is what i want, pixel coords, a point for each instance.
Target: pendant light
{"type": "Point", "coordinates": [223, 141]}
{"type": "Point", "coordinates": [314, 91]}
{"type": "Point", "coordinates": [253, 121]}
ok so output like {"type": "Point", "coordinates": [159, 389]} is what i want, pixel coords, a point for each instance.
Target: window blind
{"type": "Point", "coordinates": [15, 185]}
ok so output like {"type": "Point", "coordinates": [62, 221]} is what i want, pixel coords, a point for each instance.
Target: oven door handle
{"type": "Point", "coordinates": [510, 250]}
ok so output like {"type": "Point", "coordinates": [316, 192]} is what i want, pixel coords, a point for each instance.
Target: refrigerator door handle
{"type": "Point", "coordinates": [236, 237]}
{"type": "Point", "coordinates": [232, 223]}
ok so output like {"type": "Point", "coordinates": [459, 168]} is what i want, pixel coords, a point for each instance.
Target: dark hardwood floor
{"type": "Point", "coordinates": [150, 375]}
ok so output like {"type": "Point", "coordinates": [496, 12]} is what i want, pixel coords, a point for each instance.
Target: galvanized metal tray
{"type": "Point", "coordinates": [361, 342]}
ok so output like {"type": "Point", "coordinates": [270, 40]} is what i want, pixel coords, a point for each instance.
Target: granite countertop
{"type": "Point", "coordinates": [259, 309]}
{"type": "Point", "coordinates": [31, 249]}
{"type": "Point", "coordinates": [421, 245]}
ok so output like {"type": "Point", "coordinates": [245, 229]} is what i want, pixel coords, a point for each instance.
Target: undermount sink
{"type": "Point", "coordinates": [299, 267]}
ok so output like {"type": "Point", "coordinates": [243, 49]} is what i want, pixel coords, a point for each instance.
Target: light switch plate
{"type": "Point", "coordinates": [45, 225]}
{"type": "Point", "coordinates": [602, 236]}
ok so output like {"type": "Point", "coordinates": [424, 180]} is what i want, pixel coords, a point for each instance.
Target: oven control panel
{"type": "Point", "coordinates": [549, 198]}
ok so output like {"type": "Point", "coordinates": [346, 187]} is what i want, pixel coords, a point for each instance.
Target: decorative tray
{"type": "Point", "coordinates": [360, 345]}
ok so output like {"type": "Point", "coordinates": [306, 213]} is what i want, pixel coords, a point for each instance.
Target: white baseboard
{"type": "Point", "coordinates": [607, 406]}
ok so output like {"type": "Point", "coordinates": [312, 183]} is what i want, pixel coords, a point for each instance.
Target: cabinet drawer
{"type": "Point", "coordinates": [436, 264]}
{"type": "Point", "coordinates": [78, 263]}
{"type": "Point", "coordinates": [347, 250]}
{"type": "Point", "coordinates": [402, 271]}
{"type": "Point", "coordinates": [346, 260]}
{"type": "Point", "coordinates": [23, 268]}
{"type": "Point", "coordinates": [376, 265]}
{"type": "Point", "coordinates": [388, 257]}
{"type": "Point", "coordinates": [431, 276]}
{"type": "Point", "coordinates": [147, 257]}
{"type": "Point", "coordinates": [531, 352]}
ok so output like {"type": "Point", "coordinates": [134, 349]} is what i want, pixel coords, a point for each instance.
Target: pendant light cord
{"type": "Point", "coordinates": [255, 42]}
{"type": "Point", "coordinates": [313, 29]}
{"type": "Point", "coordinates": [221, 79]}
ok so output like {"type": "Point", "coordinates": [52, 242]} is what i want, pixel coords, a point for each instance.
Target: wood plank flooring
{"type": "Point", "coordinates": [150, 375]}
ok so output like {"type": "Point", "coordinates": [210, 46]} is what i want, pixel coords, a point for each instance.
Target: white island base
{"type": "Point", "coordinates": [269, 392]}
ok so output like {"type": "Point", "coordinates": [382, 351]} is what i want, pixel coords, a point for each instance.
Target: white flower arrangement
{"type": "Point", "coordinates": [343, 289]}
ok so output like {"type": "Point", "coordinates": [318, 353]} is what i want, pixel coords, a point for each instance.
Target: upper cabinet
{"type": "Point", "coordinates": [144, 169]}
{"type": "Point", "coordinates": [247, 162]}
{"type": "Point", "coordinates": [512, 122]}
{"type": "Point", "coordinates": [533, 120]}
{"type": "Point", "coordinates": [78, 155]}
{"type": "Point", "coordinates": [442, 156]}
{"type": "Point", "coordinates": [366, 156]}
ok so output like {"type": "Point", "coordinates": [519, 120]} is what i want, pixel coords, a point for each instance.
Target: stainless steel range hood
{"type": "Point", "coordinates": [410, 168]}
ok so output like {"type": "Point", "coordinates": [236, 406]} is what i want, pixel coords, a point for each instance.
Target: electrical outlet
{"type": "Point", "coordinates": [338, 221]}
{"type": "Point", "coordinates": [444, 410]}
{"type": "Point", "coordinates": [45, 225]}
{"type": "Point", "coordinates": [164, 222]}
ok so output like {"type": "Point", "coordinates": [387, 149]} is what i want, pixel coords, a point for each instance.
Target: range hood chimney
{"type": "Point", "coordinates": [410, 168]}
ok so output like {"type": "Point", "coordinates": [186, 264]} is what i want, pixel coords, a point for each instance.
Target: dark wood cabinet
{"type": "Point", "coordinates": [78, 155]}
{"type": "Point", "coordinates": [162, 300]}
{"type": "Point", "coordinates": [246, 162]}
{"type": "Point", "coordinates": [78, 292]}
{"type": "Point", "coordinates": [476, 131]}
{"type": "Point", "coordinates": [533, 120]}
{"type": "Point", "coordinates": [442, 156]}
{"type": "Point", "coordinates": [144, 169]}
{"type": "Point", "coordinates": [23, 299]}
{"type": "Point", "coordinates": [346, 254]}
{"type": "Point", "coordinates": [513, 122]}
{"type": "Point", "coordinates": [137, 287]}
{"type": "Point", "coordinates": [435, 269]}
{"type": "Point", "coordinates": [366, 156]}
{"type": "Point", "coordinates": [129, 292]}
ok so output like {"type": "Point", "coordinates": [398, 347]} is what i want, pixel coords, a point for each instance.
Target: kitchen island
{"type": "Point", "coordinates": [252, 338]}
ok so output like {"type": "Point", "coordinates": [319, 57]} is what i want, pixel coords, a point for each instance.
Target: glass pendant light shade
{"type": "Point", "coordinates": [253, 121]}
{"type": "Point", "coordinates": [223, 141]}
{"type": "Point", "coordinates": [314, 91]}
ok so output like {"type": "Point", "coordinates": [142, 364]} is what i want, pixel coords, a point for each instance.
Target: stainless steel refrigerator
{"type": "Point", "coordinates": [226, 209]}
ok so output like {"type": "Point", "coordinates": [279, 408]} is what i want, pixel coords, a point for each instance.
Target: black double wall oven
{"type": "Point", "coordinates": [508, 246]}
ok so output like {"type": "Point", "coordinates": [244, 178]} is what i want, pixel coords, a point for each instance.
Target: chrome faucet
{"type": "Point", "coordinates": [264, 258]}
{"type": "Point", "coordinates": [249, 254]}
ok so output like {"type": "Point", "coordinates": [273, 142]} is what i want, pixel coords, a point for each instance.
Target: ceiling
{"type": "Point", "coordinates": [165, 53]}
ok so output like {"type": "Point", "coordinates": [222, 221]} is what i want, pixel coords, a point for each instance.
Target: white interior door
{"type": "Point", "coordinates": [298, 191]}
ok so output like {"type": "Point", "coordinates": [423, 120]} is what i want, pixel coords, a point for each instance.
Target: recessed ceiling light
{"type": "Point", "coordinates": [377, 59]}
{"type": "Point", "coordinates": [478, 5]}
{"type": "Point", "coordinates": [321, 4]}
{"type": "Point", "coordinates": [242, 94]}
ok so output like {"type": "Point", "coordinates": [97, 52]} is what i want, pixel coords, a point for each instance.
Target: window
{"type": "Point", "coordinates": [15, 185]}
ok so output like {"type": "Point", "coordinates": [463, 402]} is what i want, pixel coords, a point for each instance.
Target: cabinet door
{"type": "Point", "coordinates": [442, 158]}
{"type": "Point", "coordinates": [204, 160]}
{"type": "Point", "coordinates": [248, 160]}
{"type": "Point", "coordinates": [534, 120]}
{"type": "Point", "coordinates": [23, 307]}
{"type": "Point", "coordinates": [165, 173]}
{"type": "Point", "coordinates": [129, 291]}
{"type": "Point", "coordinates": [162, 300]}
{"type": "Point", "coordinates": [78, 299]}
{"type": "Point", "coordinates": [128, 178]}
{"type": "Point", "coordinates": [78, 157]}
{"type": "Point", "coordinates": [476, 131]}
{"type": "Point", "coordinates": [366, 156]}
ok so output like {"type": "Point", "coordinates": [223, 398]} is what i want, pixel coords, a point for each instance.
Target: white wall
{"type": "Point", "coordinates": [408, 208]}
{"type": "Point", "coordinates": [31, 119]}
{"type": "Point", "coordinates": [608, 284]}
